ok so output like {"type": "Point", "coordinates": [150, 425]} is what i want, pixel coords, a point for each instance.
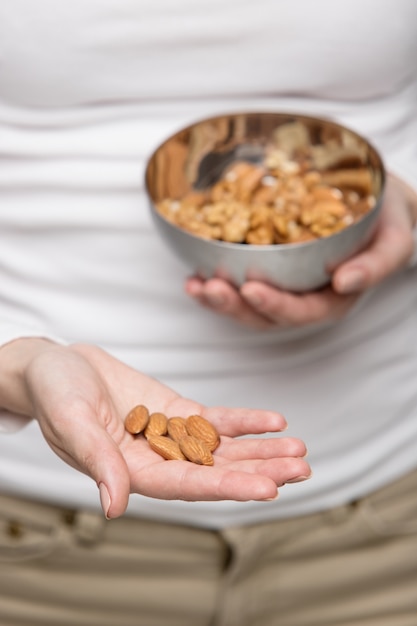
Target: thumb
{"type": "Point", "coordinates": [97, 455]}
{"type": "Point", "coordinates": [109, 470]}
{"type": "Point", "coordinates": [389, 251]}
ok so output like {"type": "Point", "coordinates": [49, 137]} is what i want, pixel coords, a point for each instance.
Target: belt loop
{"type": "Point", "coordinates": [339, 514]}
{"type": "Point", "coordinates": [89, 527]}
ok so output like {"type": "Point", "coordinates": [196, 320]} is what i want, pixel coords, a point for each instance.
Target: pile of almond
{"type": "Point", "coordinates": [190, 438]}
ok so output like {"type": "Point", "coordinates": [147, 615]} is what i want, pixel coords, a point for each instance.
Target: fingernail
{"type": "Point", "coordinates": [351, 281]}
{"type": "Point", "coordinates": [298, 479]}
{"type": "Point", "coordinates": [273, 498]}
{"type": "Point", "coordinates": [216, 299]}
{"type": "Point", "coordinates": [253, 299]}
{"type": "Point", "coordinates": [104, 499]}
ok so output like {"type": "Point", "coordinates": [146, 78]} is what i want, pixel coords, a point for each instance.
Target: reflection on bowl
{"type": "Point", "coordinates": [277, 197]}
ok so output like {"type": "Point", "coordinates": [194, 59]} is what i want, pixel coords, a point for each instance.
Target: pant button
{"type": "Point", "coordinates": [14, 529]}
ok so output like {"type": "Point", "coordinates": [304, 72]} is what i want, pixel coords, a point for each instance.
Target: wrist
{"type": "Point", "coordinates": [15, 357]}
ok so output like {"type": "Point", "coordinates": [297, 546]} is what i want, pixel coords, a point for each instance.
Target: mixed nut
{"type": "Point", "coordinates": [176, 438]}
{"type": "Point", "coordinates": [299, 192]}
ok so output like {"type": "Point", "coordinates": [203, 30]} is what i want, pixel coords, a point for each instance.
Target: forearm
{"type": "Point", "coordinates": [15, 358]}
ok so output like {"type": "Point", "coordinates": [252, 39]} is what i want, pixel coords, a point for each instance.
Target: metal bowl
{"type": "Point", "coordinates": [195, 158]}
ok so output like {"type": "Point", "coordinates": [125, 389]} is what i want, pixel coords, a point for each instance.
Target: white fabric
{"type": "Point", "coordinates": [88, 89]}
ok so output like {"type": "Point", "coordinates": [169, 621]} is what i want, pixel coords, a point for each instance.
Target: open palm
{"type": "Point", "coordinates": [80, 396]}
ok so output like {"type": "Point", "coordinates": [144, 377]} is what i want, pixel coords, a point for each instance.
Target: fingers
{"type": "Point", "coordinates": [257, 448]}
{"type": "Point", "coordinates": [240, 421]}
{"type": "Point", "coordinates": [243, 481]}
{"type": "Point", "coordinates": [389, 251]}
{"type": "Point", "coordinates": [262, 306]}
{"type": "Point", "coordinates": [244, 469]}
{"type": "Point", "coordinates": [221, 297]}
{"type": "Point", "coordinates": [281, 471]}
{"type": "Point", "coordinates": [287, 309]}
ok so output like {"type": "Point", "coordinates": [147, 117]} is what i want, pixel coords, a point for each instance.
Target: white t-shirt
{"type": "Point", "coordinates": [87, 91]}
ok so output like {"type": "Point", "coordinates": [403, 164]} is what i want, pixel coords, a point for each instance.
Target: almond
{"type": "Point", "coordinates": [177, 428]}
{"type": "Point", "coordinates": [137, 419]}
{"type": "Point", "coordinates": [195, 450]}
{"type": "Point", "coordinates": [157, 425]}
{"type": "Point", "coordinates": [202, 429]}
{"type": "Point", "coordinates": [165, 447]}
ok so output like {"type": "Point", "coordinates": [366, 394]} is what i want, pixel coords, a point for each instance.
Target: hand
{"type": "Point", "coordinates": [80, 396]}
{"type": "Point", "coordinates": [261, 306]}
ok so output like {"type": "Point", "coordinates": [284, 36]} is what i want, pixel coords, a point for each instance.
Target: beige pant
{"type": "Point", "coordinates": [353, 565]}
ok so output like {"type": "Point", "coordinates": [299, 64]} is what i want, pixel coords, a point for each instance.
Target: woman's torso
{"type": "Point", "coordinates": [87, 91]}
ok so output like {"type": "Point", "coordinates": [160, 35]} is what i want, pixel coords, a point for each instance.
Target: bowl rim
{"type": "Point", "coordinates": [279, 114]}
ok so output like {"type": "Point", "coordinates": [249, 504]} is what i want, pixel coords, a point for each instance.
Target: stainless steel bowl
{"type": "Point", "coordinates": [196, 156]}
